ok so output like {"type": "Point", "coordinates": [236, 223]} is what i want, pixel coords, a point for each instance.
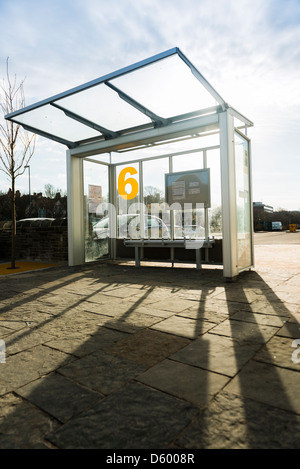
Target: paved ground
{"type": "Point", "coordinates": [110, 356]}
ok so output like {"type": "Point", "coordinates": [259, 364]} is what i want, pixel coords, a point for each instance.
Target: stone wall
{"type": "Point", "coordinates": [37, 239]}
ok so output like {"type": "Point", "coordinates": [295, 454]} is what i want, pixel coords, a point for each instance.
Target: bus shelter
{"type": "Point", "coordinates": [158, 166]}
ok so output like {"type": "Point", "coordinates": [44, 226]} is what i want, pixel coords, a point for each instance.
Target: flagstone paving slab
{"type": "Point", "coordinates": [268, 384]}
{"type": "Point", "coordinates": [236, 422]}
{"type": "Point", "coordinates": [132, 322]}
{"type": "Point", "coordinates": [216, 353]}
{"type": "Point", "coordinates": [29, 365]}
{"type": "Point", "coordinates": [101, 371]}
{"type": "Point", "coordinates": [280, 351]}
{"type": "Point", "coordinates": [80, 345]}
{"type": "Point", "coordinates": [153, 310]}
{"type": "Point", "coordinates": [59, 397]}
{"type": "Point", "coordinates": [259, 318]}
{"type": "Point", "coordinates": [22, 424]}
{"type": "Point", "coordinates": [147, 347]}
{"type": "Point", "coordinates": [245, 331]}
{"type": "Point", "coordinates": [24, 339]}
{"type": "Point", "coordinates": [175, 305]}
{"type": "Point", "coordinates": [290, 329]}
{"type": "Point", "coordinates": [136, 417]}
{"type": "Point", "coordinates": [7, 327]}
{"type": "Point", "coordinates": [184, 327]}
{"type": "Point", "coordinates": [270, 306]}
{"type": "Point", "coordinates": [184, 381]}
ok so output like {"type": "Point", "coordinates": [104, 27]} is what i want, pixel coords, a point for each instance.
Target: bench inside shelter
{"type": "Point", "coordinates": [195, 244]}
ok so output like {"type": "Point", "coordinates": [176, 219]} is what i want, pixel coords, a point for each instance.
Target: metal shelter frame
{"type": "Point", "coordinates": [77, 119]}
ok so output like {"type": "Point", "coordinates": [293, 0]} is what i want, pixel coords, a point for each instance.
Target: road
{"type": "Point", "coordinates": [276, 237]}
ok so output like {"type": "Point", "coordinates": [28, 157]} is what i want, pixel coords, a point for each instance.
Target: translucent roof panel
{"type": "Point", "coordinates": [147, 94]}
{"type": "Point", "coordinates": [51, 120]}
{"type": "Point", "coordinates": [167, 87]}
{"type": "Point", "coordinates": [102, 105]}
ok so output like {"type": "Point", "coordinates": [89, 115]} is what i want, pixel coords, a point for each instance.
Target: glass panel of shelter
{"type": "Point", "coordinates": [128, 201]}
{"type": "Point", "coordinates": [243, 201]}
{"type": "Point", "coordinates": [157, 220]}
{"type": "Point", "coordinates": [144, 183]}
{"type": "Point", "coordinates": [96, 210]}
{"type": "Point", "coordinates": [214, 212]}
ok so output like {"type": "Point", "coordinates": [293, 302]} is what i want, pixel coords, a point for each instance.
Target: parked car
{"type": "Point", "coordinates": [129, 227]}
{"type": "Point", "coordinates": [189, 231]}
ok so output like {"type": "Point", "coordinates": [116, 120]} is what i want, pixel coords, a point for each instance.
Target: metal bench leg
{"type": "Point", "coordinates": [172, 256]}
{"type": "Point", "coordinates": [198, 259]}
{"type": "Point", "coordinates": [137, 256]}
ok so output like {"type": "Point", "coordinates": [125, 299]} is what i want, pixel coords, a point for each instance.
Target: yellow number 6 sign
{"type": "Point", "coordinates": [122, 183]}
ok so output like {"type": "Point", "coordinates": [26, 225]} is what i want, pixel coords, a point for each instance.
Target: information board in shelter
{"type": "Point", "coordinates": [188, 187]}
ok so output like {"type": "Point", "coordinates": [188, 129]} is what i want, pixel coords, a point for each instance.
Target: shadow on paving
{"type": "Point", "coordinates": [114, 357]}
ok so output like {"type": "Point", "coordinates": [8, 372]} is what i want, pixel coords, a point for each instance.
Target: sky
{"type": "Point", "coordinates": [249, 50]}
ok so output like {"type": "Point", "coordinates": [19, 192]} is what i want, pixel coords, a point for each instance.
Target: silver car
{"type": "Point", "coordinates": [128, 226]}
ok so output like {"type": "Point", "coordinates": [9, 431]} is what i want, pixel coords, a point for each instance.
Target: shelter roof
{"type": "Point", "coordinates": [152, 93]}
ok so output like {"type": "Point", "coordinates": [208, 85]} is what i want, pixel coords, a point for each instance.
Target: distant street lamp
{"type": "Point", "coordinates": [29, 182]}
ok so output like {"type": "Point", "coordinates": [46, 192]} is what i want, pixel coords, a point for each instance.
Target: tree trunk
{"type": "Point", "coordinates": [13, 225]}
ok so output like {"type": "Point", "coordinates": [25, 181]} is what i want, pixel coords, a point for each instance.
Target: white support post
{"type": "Point", "coordinates": [113, 223]}
{"type": "Point", "coordinates": [228, 183]}
{"type": "Point", "coordinates": [75, 210]}
{"type": "Point", "coordinates": [141, 202]}
{"type": "Point", "coordinates": [206, 222]}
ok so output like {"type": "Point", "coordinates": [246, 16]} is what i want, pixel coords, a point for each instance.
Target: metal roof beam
{"type": "Point", "coordinates": [149, 136]}
{"type": "Point", "coordinates": [158, 121]}
{"type": "Point", "coordinates": [57, 139]}
{"type": "Point", "coordinates": [105, 132]}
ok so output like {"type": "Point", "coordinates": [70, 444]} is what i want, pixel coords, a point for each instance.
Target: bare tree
{"type": "Point", "coordinates": [16, 146]}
